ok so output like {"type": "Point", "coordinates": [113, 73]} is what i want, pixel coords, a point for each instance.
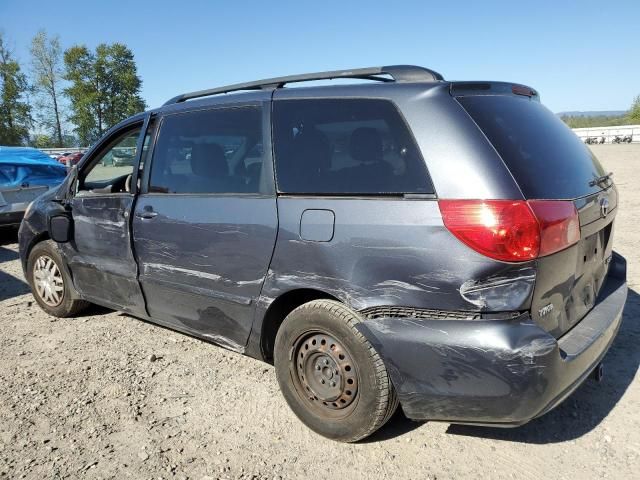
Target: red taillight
{"type": "Point", "coordinates": [512, 230]}
{"type": "Point", "coordinates": [559, 224]}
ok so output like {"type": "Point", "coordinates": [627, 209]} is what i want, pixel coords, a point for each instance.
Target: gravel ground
{"type": "Point", "coordinates": [109, 396]}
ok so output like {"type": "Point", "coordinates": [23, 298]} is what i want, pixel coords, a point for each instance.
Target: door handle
{"type": "Point", "coordinates": [146, 214]}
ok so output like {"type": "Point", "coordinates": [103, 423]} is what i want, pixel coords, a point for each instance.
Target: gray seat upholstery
{"type": "Point", "coordinates": [366, 148]}
{"type": "Point", "coordinates": [210, 169]}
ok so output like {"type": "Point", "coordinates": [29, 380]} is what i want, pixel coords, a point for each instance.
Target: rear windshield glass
{"type": "Point", "coordinates": [345, 147]}
{"type": "Point", "coordinates": [545, 157]}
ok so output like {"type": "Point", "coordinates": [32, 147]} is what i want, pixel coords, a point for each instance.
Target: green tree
{"type": "Point", "coordinates": [15, 117]}
{"type": "Point", "coordinates": [105, 88]}
{"type": "Point", "coordinates": [634, 113]}
{"type": "Point", "coordinates": [40, 140]}
{"type": "Point", "coordinates": [46, 62]}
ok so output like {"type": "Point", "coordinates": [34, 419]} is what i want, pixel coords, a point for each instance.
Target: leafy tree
{"type": "Point", "coordinates": [70, 140]}
{"type": "Point", "coordinates": [634, 113]}
{"type": "Point", "coordinates": [105, 88]}
{"type": "Point", "coordinates": [46, 61]}
{"type": "Point", "coordinates": [41, 140]}
{"type": "Point", "coordinates": [15, 117]}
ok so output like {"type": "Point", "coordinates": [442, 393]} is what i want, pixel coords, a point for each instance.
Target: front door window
{"type": "Point", "coordinates": [110, 171]}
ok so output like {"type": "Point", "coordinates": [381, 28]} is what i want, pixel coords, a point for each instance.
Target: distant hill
{"type": "Point", "coordinates": [596, 113]}
{"type": "Point", "coordinates": [603, 118]}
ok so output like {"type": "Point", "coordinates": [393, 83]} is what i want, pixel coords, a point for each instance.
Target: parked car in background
{"type": "Point", "coordinates": [60, 156]}
{"type": "Point", "coordinates": [25, 173]}
{"type": "Point", "coordinates": [123, 157]}
{"type": "Point", "coordinates": [71, 159]}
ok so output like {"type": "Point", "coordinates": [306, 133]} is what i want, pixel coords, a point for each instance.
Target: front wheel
{"type": "Point", "coordinates": [329, 373]}
{"type": "Point", "coordinates": [50, 283]}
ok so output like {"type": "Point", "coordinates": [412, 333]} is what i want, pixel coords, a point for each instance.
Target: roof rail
{"type": "Point", "coordinates": [398, 73]}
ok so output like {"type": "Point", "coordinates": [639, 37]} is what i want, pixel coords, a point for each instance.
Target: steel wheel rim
{"type": "Point", "coordinates": [48, 281]}
{"type": "Point", "coordinates": [325, 374]}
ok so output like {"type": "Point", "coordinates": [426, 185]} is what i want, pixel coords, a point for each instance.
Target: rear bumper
{"type": "Point", "coordinates": [501, 373]}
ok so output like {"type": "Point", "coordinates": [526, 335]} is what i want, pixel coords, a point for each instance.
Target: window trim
{"type": "Point", "coordinates": [432, 190]}
{"type": "Point", "coordinates": [144, 175]}
{"type": "Point", "coordinates": [363, 196]}
{"type": "Point", "coordinates": [147, 127]}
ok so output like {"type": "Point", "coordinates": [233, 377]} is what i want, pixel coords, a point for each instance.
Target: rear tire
{"type": "Point", "coordinates": [50, 284]}
{"type": "Point", "coordinates": [329, 373]}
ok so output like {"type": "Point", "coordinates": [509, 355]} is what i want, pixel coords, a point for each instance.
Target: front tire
{"type": "Point", "coordinates": [50, 284]}
{"type": "Point", "coordinates": [329, 373]}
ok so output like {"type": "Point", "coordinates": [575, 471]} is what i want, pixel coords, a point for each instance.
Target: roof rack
{"type": "Point", "coordinates": [398, 73]}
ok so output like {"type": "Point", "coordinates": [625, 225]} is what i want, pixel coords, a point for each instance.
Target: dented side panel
{"type": "Point", "coordinates": [391, 252]}
{"type": "Point", "coordinates": [203, 259]}
{"type": "Point", "coordinates": [100, 256]}
{"type": "Point", "coordinates": [459, 370]}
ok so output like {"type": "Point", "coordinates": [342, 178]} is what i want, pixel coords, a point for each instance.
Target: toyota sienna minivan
{"type": "Point", "coordinates": [445, 246]}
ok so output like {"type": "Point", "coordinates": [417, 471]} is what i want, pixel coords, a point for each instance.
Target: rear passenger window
{"type": "Point", "coordinates": [209, 151]}
{"type": "Point", "coordinates": [345, 147]}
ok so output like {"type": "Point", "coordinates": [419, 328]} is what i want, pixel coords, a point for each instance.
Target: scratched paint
{"type": "Point", "coordinates": [486, 372]}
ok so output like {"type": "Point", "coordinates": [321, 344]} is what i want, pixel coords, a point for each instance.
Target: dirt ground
{"type": "Point", "coordinates": [109, 396]}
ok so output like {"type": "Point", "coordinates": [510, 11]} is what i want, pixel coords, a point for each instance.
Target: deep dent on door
{"type": "Point", "coordinates": [391, 255]}
{"type": "Point", "coordinates": [100, 258]}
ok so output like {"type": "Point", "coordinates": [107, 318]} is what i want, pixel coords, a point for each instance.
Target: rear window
{"type": "Point", "coordinates": [345, 147]}
{"type": "Point", "coordinates": [545, 157]}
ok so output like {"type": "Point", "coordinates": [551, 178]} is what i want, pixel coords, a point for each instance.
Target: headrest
{"type": "Point", "coordinates": [208, 160]}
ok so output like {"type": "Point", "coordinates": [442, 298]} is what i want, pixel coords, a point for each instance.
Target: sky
{"type": "Point", "coordinates": [580, 55]}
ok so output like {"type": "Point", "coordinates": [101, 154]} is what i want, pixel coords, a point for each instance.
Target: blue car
{"type": "Point", "coordinates": [25, 173]}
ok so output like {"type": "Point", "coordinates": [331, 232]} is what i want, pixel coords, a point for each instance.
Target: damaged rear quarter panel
{"type": "Point", "coordinates": [470, 371]}
{"type": "Point", "coordinates": [391, 252]}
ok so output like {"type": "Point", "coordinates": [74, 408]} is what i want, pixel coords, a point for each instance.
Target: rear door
{"type": "Point", "coordinates": [548, 161]}
{"type": "Point", "coordinates": [205, 227]}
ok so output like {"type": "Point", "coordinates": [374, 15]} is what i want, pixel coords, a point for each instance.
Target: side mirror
{"type": "Point", "coordinates": [60, 228]}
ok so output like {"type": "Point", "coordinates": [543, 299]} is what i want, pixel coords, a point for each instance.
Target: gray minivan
{"type": "Point", "coordinates": [442, 245]}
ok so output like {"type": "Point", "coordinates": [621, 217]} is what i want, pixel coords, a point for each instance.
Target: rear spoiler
{"type": "Point", "coordinates": [459, 89]}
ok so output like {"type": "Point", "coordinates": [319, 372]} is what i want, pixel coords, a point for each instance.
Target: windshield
{"type": "Point", "coordinates": [545, 157]}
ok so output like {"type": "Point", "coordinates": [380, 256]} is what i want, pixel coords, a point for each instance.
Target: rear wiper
{"type": "Point", "coordinates": [599, 180]}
